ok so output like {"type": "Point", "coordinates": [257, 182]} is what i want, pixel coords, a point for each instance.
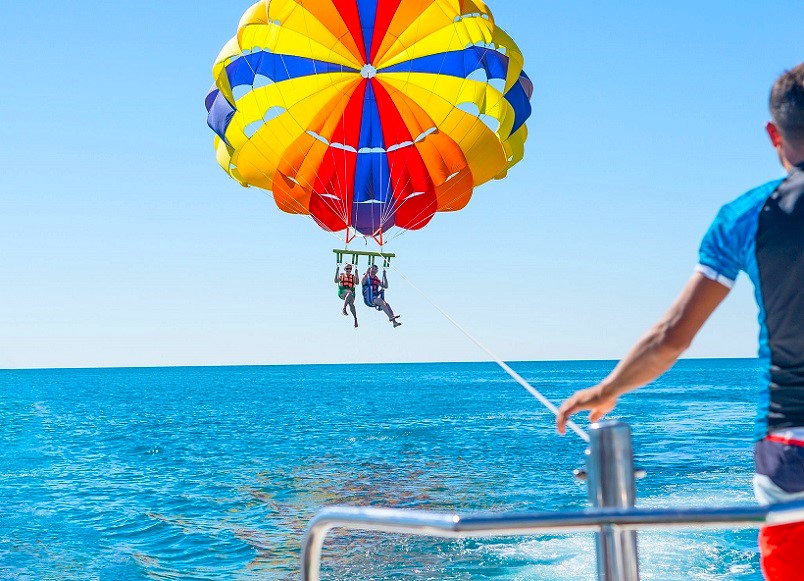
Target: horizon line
{"type": "Point", "coordinates": [224, 365]}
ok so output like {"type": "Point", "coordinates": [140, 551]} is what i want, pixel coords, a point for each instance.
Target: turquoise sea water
{"type": "Point", "coordinates": [213, 473]}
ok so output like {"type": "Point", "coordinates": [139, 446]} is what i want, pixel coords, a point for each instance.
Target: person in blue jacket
{"type": "Point", "coordinates": [762, 234]}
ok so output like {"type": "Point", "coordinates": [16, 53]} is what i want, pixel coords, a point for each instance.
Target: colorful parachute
{"type": "Point", "coordinates": [369, 114]}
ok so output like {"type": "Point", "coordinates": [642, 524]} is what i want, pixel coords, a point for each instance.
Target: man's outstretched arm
{"type": "Point", "coordinates": [653, 354]}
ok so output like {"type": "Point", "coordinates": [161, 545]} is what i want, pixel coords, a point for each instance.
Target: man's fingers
{"type": "Point", "coordinates": [599, 411]}
{"type": "Point", "coordinates": [586, 399]}
{"type": "Point", "coordinates": [568, 408]}
{"type": "Point", "coordinates": [580, 400]}
{"type": "Point", "coordinates": [561, 423]}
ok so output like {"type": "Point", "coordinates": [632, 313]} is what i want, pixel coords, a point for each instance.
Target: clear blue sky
{"type": "Point", "coordinates": [123, 243]}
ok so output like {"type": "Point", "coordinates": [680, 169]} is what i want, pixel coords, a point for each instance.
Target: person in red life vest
{"type": "Point", "coordinates": [347, 283]}
{"type": "Point", "coordinates": [762, 234]}
{"type": "Point", "coordinates": [374, 293]}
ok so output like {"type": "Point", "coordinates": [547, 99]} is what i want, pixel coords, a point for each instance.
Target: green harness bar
{"type": "Point", "coordinates": [372, 256]}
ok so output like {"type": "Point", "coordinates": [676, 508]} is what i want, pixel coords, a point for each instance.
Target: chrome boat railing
{"type": "Point", "coordinates": [610, 474]}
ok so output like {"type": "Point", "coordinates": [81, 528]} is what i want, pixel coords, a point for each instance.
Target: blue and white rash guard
{"type": "Point", "coordinates": [762, 234]}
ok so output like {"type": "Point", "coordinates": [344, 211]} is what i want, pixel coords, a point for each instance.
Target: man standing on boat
{"type": "Point", "coordinates": [762, 234]}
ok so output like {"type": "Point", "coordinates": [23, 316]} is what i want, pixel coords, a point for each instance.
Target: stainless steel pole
{"type": "Point", "coordinates": [610, 473]}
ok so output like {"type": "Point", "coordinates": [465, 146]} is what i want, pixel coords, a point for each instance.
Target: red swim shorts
{"type": "Point", "coordinates": [781, 549]}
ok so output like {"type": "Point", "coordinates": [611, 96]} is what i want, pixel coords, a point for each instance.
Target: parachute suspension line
{"type": "Point", "coordinates": [419, 218]}
{"type": "Point", "coordinates": [416, 221]}
{"type": "Point", "coordinates": [344, 188]}
{"type": "Point", "coordinates": [392, 206]}
{"type": "Point", "coordinates": [514, 375]}
{"type": "Point", "coordinates": [340, 206]}
{"type": "Point", "coordinates": [331, 233]}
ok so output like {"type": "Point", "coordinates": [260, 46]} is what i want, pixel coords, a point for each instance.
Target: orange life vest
{"type": "Point", "coordinates": [348, 280]}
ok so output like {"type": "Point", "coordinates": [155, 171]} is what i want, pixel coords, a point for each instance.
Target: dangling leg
{"type": "Point", "coordinates": [386, 308]}
{"type": "Point", "coordinates": [344, 295]}
{"type": "Point", "coordinates": [350, 301]}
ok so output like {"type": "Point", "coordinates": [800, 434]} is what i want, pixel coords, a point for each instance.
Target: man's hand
{"type": "Point", "coordinates": [593, 399]}
{"type": "Point", "coordinates": [653, 354]}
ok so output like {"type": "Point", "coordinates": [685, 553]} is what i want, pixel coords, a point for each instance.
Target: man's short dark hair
{"type": "Point", "coordinates": [787, 104]}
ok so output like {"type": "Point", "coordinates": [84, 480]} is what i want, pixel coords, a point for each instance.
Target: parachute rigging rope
{"type": "Point", "coordinates": [505, 367]}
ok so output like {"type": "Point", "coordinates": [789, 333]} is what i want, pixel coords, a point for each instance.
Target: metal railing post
{"type": "Point", "coordinates": [610, 474]}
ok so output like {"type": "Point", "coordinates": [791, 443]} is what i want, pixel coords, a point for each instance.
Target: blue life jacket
{"type": "Point", "coordinates": [372, 289]}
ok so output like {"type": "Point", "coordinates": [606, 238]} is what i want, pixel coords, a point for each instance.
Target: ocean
{"type": "Point", "coordinates": [213, 472]}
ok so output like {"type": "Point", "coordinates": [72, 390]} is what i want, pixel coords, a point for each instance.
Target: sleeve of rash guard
{"type": "Point", "coordinates": [720, 257]}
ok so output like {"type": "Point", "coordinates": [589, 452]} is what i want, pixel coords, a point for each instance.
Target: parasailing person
{"type": "Point", "coordinates": [374, 293]}
{"type": "Point", "coordinates": [347, 282]}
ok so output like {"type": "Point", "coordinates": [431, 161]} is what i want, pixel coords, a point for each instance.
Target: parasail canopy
{"type": "Point", "coordinates": [369, 114]}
